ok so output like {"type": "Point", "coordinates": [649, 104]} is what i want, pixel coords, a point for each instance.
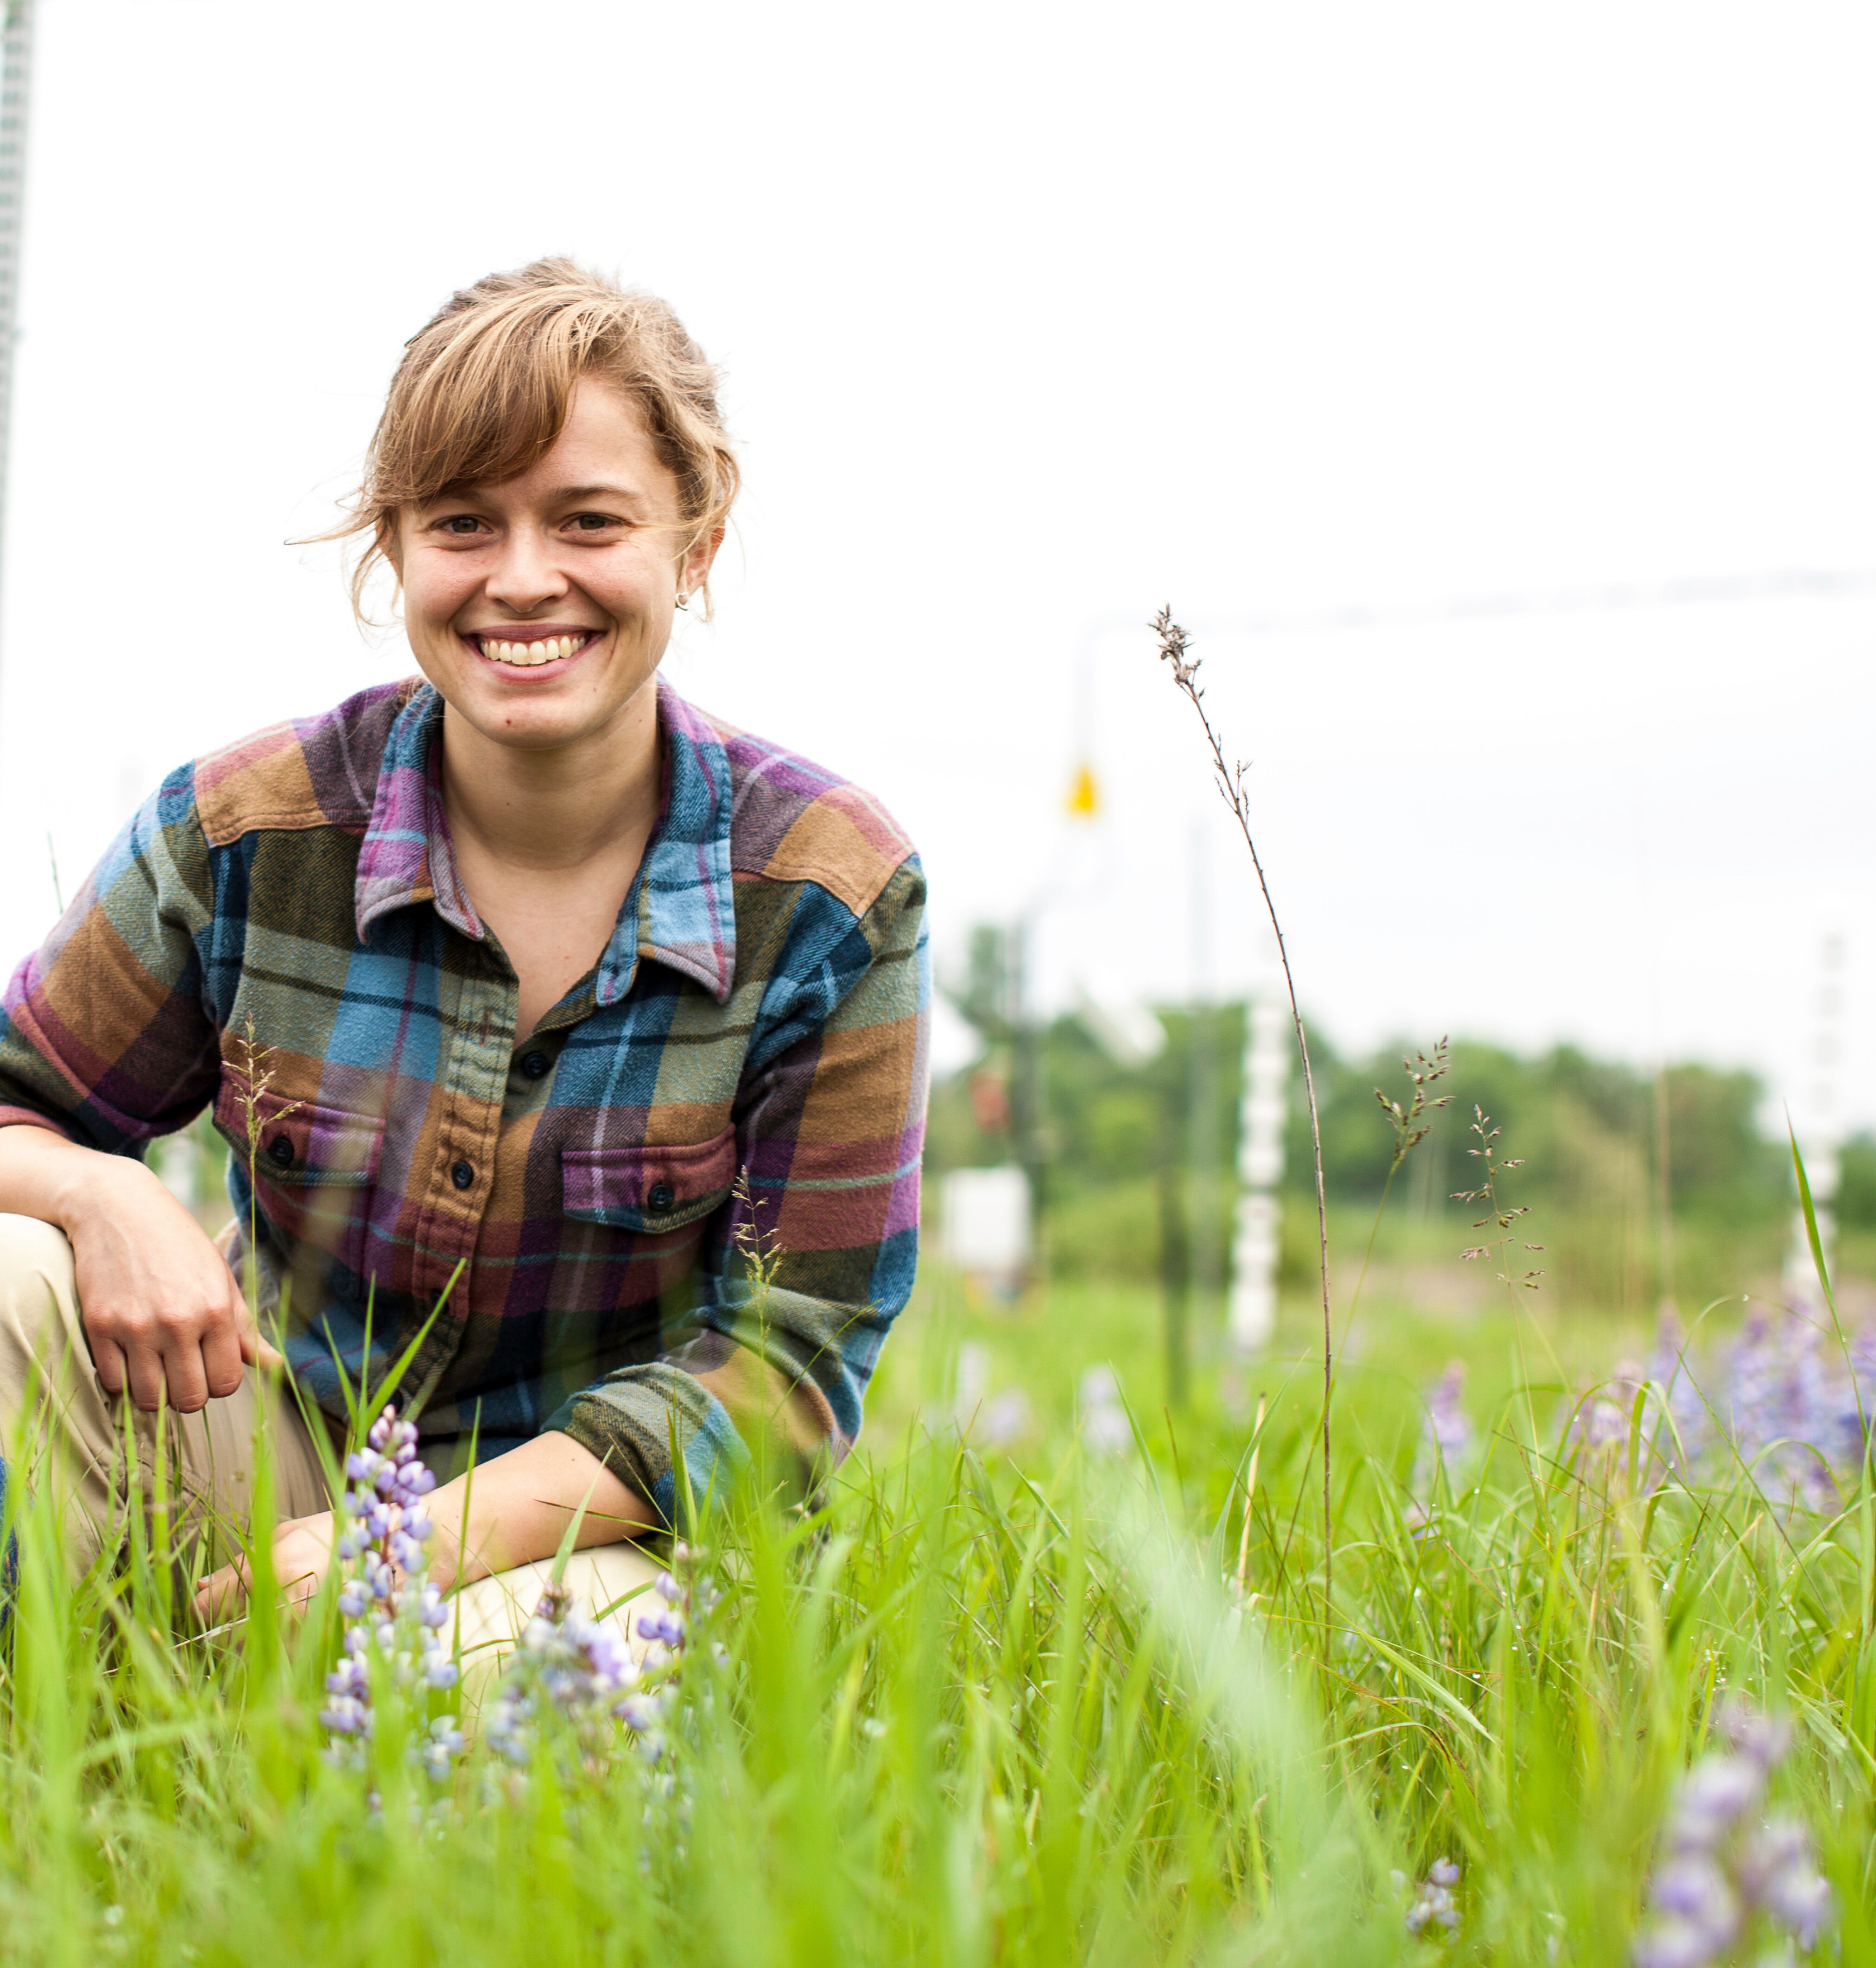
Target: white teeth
{"type": "Point", "coordinates": [527, 656]}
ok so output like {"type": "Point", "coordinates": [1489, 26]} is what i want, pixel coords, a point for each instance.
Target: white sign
{"type": "Point", "coordinates": [985, 1219]}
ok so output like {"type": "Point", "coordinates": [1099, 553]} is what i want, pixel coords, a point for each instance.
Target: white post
{"type": "Point", "coordinates": [1254, 1249]}
{"type": "Point", "coordinates": [15, 100]}
{"type": "Point", "coordinates": [1820, 1134]}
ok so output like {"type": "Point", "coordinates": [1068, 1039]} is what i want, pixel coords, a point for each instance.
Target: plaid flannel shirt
{"type": "Point", "coordinates": [743, 1072]}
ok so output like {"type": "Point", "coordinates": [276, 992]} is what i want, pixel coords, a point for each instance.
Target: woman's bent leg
{"type": "Point", "coordinates": [73, 1435]}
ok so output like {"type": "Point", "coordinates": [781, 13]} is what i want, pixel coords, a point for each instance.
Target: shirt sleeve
{"type": "Point", "coordinates": [815, 1256]}
{"type": "Point", "coordinates": [104, 1034]}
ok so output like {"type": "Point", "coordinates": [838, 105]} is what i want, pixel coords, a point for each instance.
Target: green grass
{"type": "Point", "coordinates": [1012, 1709]}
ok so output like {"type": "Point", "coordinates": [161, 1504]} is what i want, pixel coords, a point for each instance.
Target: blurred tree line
{"type": "Point", "coordinates": [1133, 1158]}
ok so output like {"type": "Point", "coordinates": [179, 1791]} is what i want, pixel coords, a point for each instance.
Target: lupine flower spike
{"type": "Point", "coordinates": [565, 1665]}
{"type": "Point", "coordinates": [389, 1608]}
{"type": "Point", "coordinates": [1434, 1905]}
{"type": "Point", "coordinates": [573, 1679]}
{"type": "Point", "coordinates": [1722, 1864]}
{"type": "Point", "coordinates": [1447, 1435]}
{"type": "Point", "coordinates": [1789, 1406]}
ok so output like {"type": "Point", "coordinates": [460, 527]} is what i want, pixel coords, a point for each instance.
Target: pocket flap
{"type": "Point", "coordinates": [648, 1189]}
{"type": "Point", "coordinates": [301, 1141]}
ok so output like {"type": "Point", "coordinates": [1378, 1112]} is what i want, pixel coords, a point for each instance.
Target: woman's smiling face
{"type": "Point", "coordinates": [540, 607]}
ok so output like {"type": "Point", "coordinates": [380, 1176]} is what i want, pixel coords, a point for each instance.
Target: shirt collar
{"type": "Point", "coordinates": [681, 910]}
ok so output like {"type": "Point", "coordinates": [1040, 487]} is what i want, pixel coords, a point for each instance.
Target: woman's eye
{"type": "Point", "coordinates": [593, 522]}
{"type": "Point", "coordinates": [461, 522]}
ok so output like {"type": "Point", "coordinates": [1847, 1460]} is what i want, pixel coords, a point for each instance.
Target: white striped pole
{"type": "Point", "coordinates": [15, 103]}
{"type": "Point", "coordinates": [1255, 1246]}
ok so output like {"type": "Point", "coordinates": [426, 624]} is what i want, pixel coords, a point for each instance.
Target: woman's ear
{"type": "Point", "coordinates": [694, 571]}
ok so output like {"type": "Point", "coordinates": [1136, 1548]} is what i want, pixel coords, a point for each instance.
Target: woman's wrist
{"type": "Point", "coordinates": [90, 1187]}
{"type": "Point", "coordinates": [45, 1174]}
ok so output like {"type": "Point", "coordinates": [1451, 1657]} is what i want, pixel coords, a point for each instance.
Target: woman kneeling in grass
{"type": "Point", "coordinates": [558, 1031]}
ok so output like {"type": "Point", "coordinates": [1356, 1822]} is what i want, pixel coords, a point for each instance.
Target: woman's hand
{"type": "Point", "coordinates": [160, 1307]}
{"type": "Point", "coordinates": [303, 1555]}
{"type": "Point", "coordinates": [162, 1312]}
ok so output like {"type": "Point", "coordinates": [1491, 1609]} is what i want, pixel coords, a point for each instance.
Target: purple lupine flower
{"type": "Point", "coordinates": [1763, 1739]}
{"type": "Point", "coordinates": [1603, 1420]}
{"type": "Point", "coordinates": [1712, 1796]}
{"type": "Point", "coordinates": [1719, 1868]}
{"type": "Point", "coordinates": [1862, 1389]}
{"type": "Point", "coordinates": [1794, 1407]}
{"type": "Point", "coordinates": [1445, 1434]}
{"type": "Point", "coordinates": [666, 1628]}
{"type": "Point", "coordinates": [1671, 1943]}
{"type": "Point", "coordinates": [638, 1711]}
{"type": "Point", "coordinates": [577, 1677]}
{"type": "Point", "coordinates": [1777, 1871]}
{"type": "Point", "coordinates": [1434, 1904]}
{"type": "Point", "coordinates": [578, 1669]}
{"type": "Point", "coordinates": [445, 1744]}
{"type": "Point", "coordinates": [344, 1715]}
{"type": "Point", "coordinates": [1784, 1410]}
{"type": "Point", "coordinates": [1697, 1897]}
{"type": "Point", "coordinates": [384, 1601]}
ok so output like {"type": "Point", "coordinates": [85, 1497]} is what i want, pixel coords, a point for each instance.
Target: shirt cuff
{"type": "Point", "coordinates": [634, 1421]}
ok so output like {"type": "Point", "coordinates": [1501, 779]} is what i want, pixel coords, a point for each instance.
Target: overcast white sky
{"type": "Point", "coordinates": [1035, 317]}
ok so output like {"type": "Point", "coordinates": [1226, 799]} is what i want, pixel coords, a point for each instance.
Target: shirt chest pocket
{"type": "Point", "coordinates": [300, 1144]}
{"type": "Point", "coordinates": [648, 1190]}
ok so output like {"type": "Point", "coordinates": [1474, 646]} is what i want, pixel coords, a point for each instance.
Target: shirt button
{"type": "Point", "coordinates": [658, 1198]}
{"type": "Point", "coordinates": [535, 1065]}
{"type": "Point", "coordinates": [280, 1152]}
{"type": "Point", "coordinates": [463, 1175]}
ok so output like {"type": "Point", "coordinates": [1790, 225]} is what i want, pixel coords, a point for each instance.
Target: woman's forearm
{"type": "Point", "coordinates": [516, 1508]}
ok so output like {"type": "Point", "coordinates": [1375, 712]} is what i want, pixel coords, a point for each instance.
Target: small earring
{"type": "Point", "coordinates": [684, 601]}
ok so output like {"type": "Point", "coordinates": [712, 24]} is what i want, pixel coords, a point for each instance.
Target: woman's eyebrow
{"type": "Point", "coordinates": [561, 495]}
{"type": "Point", "coordinates": [467, 490]}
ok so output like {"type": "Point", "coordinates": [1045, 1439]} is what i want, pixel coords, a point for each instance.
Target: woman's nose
{"type": "Point", "coordinates": [526, 575]}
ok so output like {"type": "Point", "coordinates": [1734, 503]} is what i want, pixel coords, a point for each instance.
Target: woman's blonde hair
{"type": "Point", "coordinates": [484, 389]}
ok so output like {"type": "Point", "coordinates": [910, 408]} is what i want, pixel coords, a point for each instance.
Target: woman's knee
{"type": "Point", "coordinates": [39, 1317]}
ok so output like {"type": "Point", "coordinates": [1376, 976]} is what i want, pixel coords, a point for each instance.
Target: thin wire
{"type": "Point", "coordinates": [1718, 591]}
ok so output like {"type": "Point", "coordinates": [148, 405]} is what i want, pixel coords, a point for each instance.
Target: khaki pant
{"type": "Point", "coordinates": [203, 1463]}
